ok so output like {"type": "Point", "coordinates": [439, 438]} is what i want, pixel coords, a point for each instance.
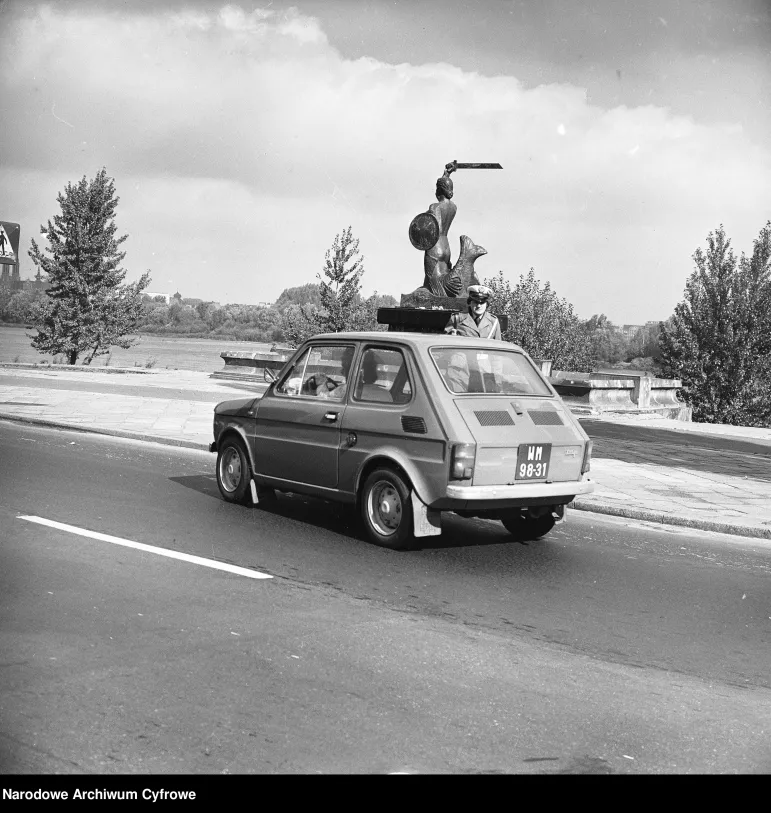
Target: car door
{"type": "Point", "coordinates": [297, 434]}
{"type": "Point", "coordinates": [389, 415]}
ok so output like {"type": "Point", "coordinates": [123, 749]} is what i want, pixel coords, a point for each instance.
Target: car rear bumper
{"type": "Point", "coordinates": [520, 492]}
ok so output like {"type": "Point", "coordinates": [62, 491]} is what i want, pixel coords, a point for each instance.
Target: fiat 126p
{"type": "Point", "coordinates": [406, 426]}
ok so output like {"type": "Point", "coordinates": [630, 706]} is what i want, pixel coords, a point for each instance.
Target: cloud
{"type": "Point", "coordinates": [251, 122]}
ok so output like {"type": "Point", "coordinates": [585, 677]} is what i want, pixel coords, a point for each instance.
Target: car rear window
{"type": "Point", "coordinates": [477, 370]}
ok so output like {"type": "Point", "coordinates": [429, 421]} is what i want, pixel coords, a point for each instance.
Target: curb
{"type": "Point", "coordinates": [116, 433]}
{"type": "Point", "coordinates": [669, 519]}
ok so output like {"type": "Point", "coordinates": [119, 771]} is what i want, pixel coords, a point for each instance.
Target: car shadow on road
{"type": "Point", "coordinates": [202, 483]}
{"type": "Point", "coordinates": [344, 519]}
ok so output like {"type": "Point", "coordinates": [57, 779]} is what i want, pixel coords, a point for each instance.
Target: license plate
{"type": "Point", "coordinates": [533, 461]}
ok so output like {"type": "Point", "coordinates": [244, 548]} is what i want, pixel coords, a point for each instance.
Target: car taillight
{"type": "Point", "coordinates": [587, 462]}
{"type": "Point", "coordinates": [462, 461]}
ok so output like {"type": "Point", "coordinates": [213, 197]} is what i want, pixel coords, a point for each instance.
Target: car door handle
{"type": "Point", "coordinates": [330, 416]}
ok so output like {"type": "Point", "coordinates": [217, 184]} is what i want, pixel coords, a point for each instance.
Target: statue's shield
{"type": "Point", "coordinates": [424, 231]}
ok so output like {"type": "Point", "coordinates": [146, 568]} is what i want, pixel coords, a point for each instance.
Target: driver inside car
{"type": "Point", "coordinates": [323, 386]}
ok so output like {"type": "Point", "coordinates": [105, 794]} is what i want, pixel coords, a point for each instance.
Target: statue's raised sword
{"type": "Point", "coordinates": [424, 229]}
{"type": "Point", "coordinates": [453, 165]}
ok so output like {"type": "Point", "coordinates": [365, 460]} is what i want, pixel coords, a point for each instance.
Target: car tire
{"type": "Point", "coordinates": [234, 472]}
{"type": "Point", "coordinates": [524, 527]}
{"type": "Point", "coordinates": [386, 509]}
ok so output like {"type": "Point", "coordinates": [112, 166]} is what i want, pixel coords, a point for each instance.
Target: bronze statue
{"type": "Point", "coordinates": [436, 262]}
{"type": "Point", "coordinates": [428, 232]}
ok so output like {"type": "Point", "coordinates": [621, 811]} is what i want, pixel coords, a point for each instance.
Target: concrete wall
{"type": "Point", "coordinates": [256, 366]}
{"type": "Point", "coordinates": [621, 391]}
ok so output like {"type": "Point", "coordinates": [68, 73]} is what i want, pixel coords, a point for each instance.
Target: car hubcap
{"type": "Point", "coordinates": [385, 508]}
{"type": "Point", "coordinates": [230, 470]}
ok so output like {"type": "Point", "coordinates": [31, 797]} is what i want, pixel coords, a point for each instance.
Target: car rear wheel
{"type": "Point", "coordinates": [233, 471]}
{"type": "Point", "coordinates": [524, 526]}
{"type": "Point", "coordinates": [386, 509]}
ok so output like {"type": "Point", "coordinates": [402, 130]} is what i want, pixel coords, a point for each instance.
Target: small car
{"type": "Point", "coordinates": [405, 426]}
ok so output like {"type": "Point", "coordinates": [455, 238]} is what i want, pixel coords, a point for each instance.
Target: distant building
{"type": "Point", "coordinates": [153, 294]}
{"type": "Point", "coordinates": [627, 331]}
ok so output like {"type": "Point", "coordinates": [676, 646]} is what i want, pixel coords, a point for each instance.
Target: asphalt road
{"type": "Point", "coordinates": [609, 647]}
{"type": "Point", "coordinates": [733, 456]}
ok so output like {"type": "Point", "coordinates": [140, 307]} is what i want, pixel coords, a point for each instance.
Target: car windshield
{"type": "Point", "coordinates": [472, 370]}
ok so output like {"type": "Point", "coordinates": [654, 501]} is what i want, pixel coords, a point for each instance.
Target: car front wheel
{"type": "Point", "coordinates": [233, 471]}
{"type": "Point", "coordinates": [386, 509]}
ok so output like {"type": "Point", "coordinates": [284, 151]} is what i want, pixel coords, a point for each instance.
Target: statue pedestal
{"type": "Point", "coordinates": [426, 319]}
{"type": "Point", "coordinates": [423, 299]}
{"type": "Point", "coordinates": [415, 320]}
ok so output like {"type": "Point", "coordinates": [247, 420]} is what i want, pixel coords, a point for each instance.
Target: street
{"type": "Point", "coordinates": [608, 647]}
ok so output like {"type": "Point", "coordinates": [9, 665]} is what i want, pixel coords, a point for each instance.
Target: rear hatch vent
{"type": "Point", "coordinates": [494, 417]}
{"type": "Point", "coordinates": [416, 425]}
{"type": "Point", "coordinates": [545, 417]}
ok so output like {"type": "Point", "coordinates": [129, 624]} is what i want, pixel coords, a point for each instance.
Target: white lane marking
{"type": "Point", "coordinates": [128, 543]}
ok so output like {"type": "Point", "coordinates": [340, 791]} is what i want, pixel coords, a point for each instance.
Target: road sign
{"type": "Point", "coordinates": [9, 242]}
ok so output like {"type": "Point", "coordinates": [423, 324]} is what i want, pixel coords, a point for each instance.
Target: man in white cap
{"type": "Point", "coordinates": [477, 322]}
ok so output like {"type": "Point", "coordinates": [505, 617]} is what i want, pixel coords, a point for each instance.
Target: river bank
{"type": "Point", "coordinates": [156, 352]}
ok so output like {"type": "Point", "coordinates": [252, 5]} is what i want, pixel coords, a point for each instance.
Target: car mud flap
{"type": "Point", "coordinates": [255, 498]}
{"type": "Point", "coordinates": [426, 521]}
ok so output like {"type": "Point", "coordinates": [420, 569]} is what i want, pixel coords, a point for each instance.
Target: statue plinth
{"type": "Point", "coordinates": [425, 299]}
{"type": "Point", "coordinates": [428, 318]}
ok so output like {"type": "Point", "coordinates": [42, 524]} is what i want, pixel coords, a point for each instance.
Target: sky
{"type": "Point", "coordinates": [243, 137]}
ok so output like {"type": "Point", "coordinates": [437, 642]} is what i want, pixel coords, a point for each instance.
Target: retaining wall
{"type": "Point", "coordinates": [243, 365]}
{"type": "Point", "coordinates": [632, 392]}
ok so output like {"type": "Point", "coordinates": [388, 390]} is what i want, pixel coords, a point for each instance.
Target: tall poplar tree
{"type": "Point", "coordinates": [719, 339]}
{"type": "Point", "coordinates": [340, 286]}
{"type": "Point", "coordinates": [89, 309]}
{"type": "Point", "coordinates": [340, 306]}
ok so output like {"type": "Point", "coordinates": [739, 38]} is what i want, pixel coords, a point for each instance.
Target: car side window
{"type": "Point", "coordinates": [383, 377]}
{"type": "Point", "coordinates": [321, 372]}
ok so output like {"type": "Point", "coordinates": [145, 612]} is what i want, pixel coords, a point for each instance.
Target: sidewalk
{"type": "Point", "coordinates": [175, 408]}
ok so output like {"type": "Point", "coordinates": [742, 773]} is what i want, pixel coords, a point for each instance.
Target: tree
{"type": "Point", "coordinates": [608, 345]}
{"type": "Point", "coordinates": [541, 323]}
{"type": "Point", "coordinates": [298, 323]}
{"type": "Point", "coordinates": [89, 308]}
{"type": "Point", "coordinates": [22, 306]}
{"type": "Point", "coordinates": [645, 343]}
{"type": "Point", "coordinates": [307, 294]}
{"type": "Point", "coordinates": [339, 292]}
{"type": "Point", "coordinates": [718, 340]}
{"type": "Point", "coordinates": [341, 307]}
